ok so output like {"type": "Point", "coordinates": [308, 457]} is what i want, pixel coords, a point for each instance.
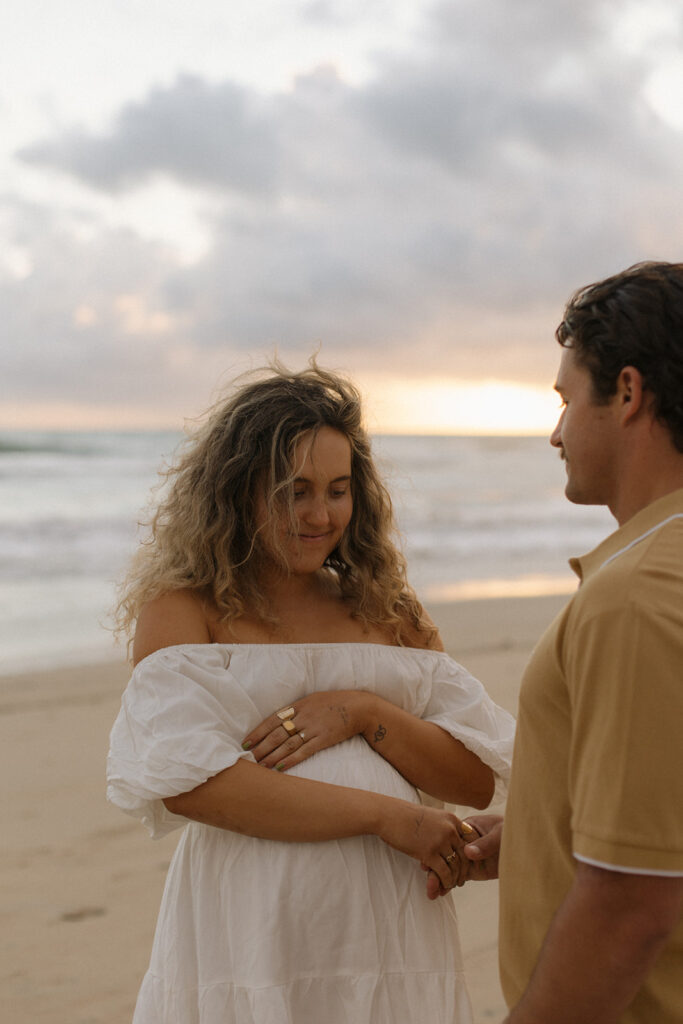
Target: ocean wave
{"type": "Point", "coordinates": [477, 516]}
{"type": "Point", "coordinates": [140, 444]}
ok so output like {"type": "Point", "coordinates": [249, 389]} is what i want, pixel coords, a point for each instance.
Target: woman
{"type": "Point", "coordinates": [274, 628]}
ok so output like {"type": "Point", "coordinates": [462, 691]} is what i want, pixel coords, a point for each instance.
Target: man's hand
{"type": "Point", "coordinates": [482, 853]}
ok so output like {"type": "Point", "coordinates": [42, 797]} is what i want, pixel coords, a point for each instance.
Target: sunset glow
{"type": "Point", "coordinates": [429, 406]}
{"type": "Point", "coordinates": [395, 406]}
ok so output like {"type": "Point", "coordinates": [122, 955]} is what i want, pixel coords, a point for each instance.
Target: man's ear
{"type": "Point", "coordinates": [630, 392]}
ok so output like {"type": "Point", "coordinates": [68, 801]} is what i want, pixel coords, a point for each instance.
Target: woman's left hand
{"type": "Point", "coordinates": [318, 721]}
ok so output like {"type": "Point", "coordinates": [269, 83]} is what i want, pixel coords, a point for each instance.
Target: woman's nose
{"type": "Point", "coordinates": [318, 512]}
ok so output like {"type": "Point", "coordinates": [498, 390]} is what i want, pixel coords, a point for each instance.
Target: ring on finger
{"type": "Point", "coordinates": [284, 713]}
{"type": "Point", "coordinates": [467, 831]}
{"type": "Point", "coordinates": [303, 736]}
{"type": "Point", "coordinates": [289, 727]}
{"type": "Point", "coordinates": [451, 857]}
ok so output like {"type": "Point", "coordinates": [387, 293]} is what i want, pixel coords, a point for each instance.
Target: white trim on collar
{"type": "Point", "coordinates": [632, 544]}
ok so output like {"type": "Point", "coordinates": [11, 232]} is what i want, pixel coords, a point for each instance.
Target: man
{"type": "Point", "coordinates": [592, 855]}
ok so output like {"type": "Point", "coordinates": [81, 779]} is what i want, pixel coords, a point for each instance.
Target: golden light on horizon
{"type": "Point", "coordinates": [428, 406]}
{"type": "Point", "coordinates": [392, 406]}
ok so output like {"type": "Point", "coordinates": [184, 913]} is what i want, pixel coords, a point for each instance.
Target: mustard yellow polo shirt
{"type": "Point", "coordinates": [597, 771]}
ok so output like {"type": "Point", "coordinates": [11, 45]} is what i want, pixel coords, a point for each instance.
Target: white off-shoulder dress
{"type": "Point", "coordinates": [254, 931]}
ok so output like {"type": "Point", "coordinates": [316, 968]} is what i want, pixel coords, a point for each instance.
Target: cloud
{"type": "Point", "coordinates": [432, 219]}
{"type": "Point", "coordinates": [219, 136]}
{"type": "Point", "coordinates": [88, 319]}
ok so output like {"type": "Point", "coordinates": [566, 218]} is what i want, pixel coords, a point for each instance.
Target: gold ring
{"type": "Point", "coordinates": [467, 830]}
{"type": "Point", "coordinates": [452, 856]}
{"type": "Point", "coordinates": [303, 738]}
{"type": "Point", "coordinates": [285, 713]}
{"type": "Point", "coordinates": [288, 726]}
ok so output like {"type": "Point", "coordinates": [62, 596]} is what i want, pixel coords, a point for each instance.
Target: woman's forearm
{"type": "Point", "coordinates": [251, 800]}
{"type": "Point", "coordinates": [429, 757]}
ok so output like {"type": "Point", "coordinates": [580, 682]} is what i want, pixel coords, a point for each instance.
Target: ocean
{"type": "Point", "coordinates": [479, 517]}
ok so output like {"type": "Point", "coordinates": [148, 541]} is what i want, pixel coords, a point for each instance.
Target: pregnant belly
{"type": "Point", "coordinates": [355, 764]}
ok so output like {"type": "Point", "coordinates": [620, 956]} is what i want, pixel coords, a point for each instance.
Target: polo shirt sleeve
{"type": "Point", "coordinates": [625, 681]}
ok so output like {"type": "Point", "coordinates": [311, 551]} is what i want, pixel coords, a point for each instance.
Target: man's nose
{"type": "Point", "coordinates": [556, 436]}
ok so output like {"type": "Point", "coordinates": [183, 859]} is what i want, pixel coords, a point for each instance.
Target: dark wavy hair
{"type": "Point", "coordinates": [634, 318]}
{"type": "Point", "coordinates": [204, 536]}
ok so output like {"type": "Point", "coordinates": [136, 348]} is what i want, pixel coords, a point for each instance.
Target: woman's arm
{"type": "Point", "coordinates": [427, 755]}
{"type": "Point", "coordinates": [246, 799]}
{"type": "Point", "coordinates": [424, 753]}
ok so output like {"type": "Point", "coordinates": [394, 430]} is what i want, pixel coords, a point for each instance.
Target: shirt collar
{"type": "Point", "coordinates": [634, 530]}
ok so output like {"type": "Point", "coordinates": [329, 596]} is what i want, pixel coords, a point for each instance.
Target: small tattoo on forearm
{"type": "Point", "coordinates": [380, 733]}
{"type": "Point", "coordinates": [341, 711]}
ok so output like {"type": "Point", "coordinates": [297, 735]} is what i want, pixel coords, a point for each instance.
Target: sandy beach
{"type": "Point", "coordinates": [81, 883]}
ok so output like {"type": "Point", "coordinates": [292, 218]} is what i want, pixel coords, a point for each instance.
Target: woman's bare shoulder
{"type": "Point", "coordinates": [178, 617]}
{"type": "Point", "coordinates": [427, 638]}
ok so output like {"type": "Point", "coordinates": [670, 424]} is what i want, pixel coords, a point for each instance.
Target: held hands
{"type": "Point", "coordinates": [312, 723]}
{"type": "Point", "coordinates": [478, 854]}
{"type": "Point", "coordinates": [432, 836]}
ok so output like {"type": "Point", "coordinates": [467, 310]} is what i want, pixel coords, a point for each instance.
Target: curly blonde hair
{"type": "Point", "coordinates": [203, 535]}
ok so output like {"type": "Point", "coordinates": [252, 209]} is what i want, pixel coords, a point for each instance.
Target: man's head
{"type": "Point", "coordinates": [635, 319]}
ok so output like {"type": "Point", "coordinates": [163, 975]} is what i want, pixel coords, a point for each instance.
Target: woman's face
{"type": "Point", "coordinates": [322, 502]}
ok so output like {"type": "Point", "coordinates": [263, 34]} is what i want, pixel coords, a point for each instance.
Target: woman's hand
{"type": "Point", "coordinates": [318, 721]}
{"type": "Point", "coordinates": [433, 837]}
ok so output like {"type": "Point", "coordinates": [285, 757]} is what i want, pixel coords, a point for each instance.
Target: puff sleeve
{"type": "Point", "coordinates": [173, 732]}
{"type": "Point", "coordinates": [460, 705]}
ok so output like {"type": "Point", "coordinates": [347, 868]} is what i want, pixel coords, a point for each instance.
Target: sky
{"type": "Point", "coordinates": [409, 189]}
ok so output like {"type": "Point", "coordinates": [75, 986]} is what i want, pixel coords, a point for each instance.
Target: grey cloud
{"type": "Point", "coordinates": [217, 135]}
{"type": "Point", "coordinates": [55, 356]}
{"type": "Point", "coordinates": [519, 31]}
{"type": "Point", "coordinates": [496, 78]}
{"type": "Point", "coordinates": [323, 12]}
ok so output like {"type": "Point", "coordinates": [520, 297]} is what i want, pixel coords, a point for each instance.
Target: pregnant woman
{"type": "Point", "coordinates": [290, 699]}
